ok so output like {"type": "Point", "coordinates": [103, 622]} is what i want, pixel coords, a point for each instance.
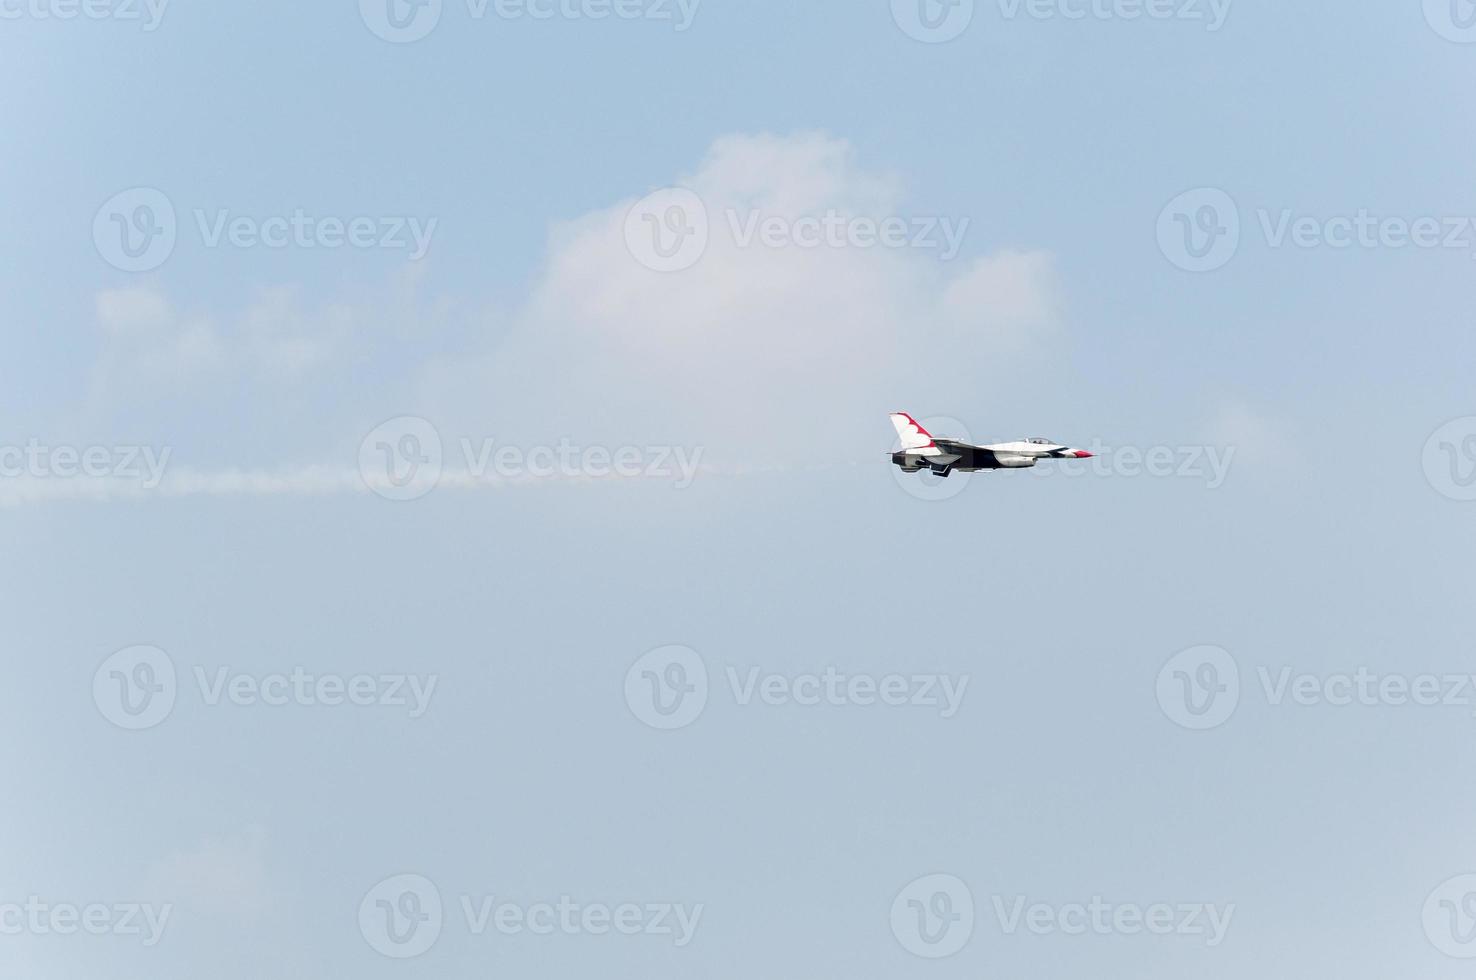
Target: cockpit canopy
{"type": "Point", "coordinates": [1038, 441]}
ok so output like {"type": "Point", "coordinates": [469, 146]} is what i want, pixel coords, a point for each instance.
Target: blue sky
{"type": "Point", "coordinates": [294, 481]}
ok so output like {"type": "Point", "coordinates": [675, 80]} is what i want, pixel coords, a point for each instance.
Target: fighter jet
{"type": "Point", "coordinates": [920, 450]}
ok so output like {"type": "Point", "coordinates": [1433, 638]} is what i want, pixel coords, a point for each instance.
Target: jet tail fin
{"type": "Point", "coordinates": [913, 436]}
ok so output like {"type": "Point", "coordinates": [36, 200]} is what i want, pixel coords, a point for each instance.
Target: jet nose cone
{"type": "Point", "coordinates": [1082, 454]}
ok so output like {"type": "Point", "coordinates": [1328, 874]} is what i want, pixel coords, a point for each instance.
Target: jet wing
{"type": "Point", "coordinates": [954, 446]}
{"type": "Point", "coordinates": [956, 451]}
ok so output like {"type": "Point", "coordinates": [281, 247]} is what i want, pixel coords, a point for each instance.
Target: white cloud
{"type": "Point", "coordinates": [136, 311]}
{"type": "Point", "coordinates": [148, 343]}
{"type": "Point", "coordinates": [1009, 297]}
{"type": "Point", "coordinates": [753, 348]}
{"type": "Point", "coordinates": [283, 339]}
{"type": "Point", "coordinates": [224, 881]}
